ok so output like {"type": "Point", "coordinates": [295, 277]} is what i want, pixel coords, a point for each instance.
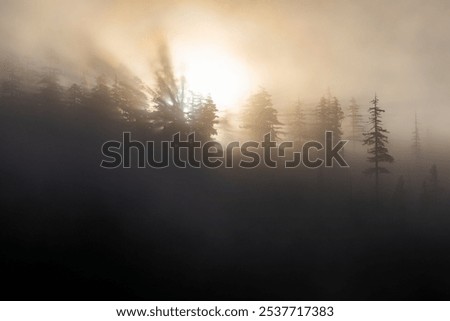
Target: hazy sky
{"type": "Point", "coordinates": [296, 49]}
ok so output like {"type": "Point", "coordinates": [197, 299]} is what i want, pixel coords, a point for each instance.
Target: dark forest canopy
{"type": "Point", "coordinates": [121, 100]}
{"type": "Point", "coordinates": [156, 221]}
{"type": "Point", "coordinates": [77, 74]}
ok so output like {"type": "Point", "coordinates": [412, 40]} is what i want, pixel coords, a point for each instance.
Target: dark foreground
{"type": "Point", "coordinates": [74, 231]}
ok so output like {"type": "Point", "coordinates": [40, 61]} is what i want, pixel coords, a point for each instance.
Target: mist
{"type": "Point", "coordinates": [294, 48]}
{"type": "Point", "coordinates": [75, 74]}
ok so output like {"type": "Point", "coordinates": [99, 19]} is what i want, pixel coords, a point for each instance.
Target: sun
{"type": "Point", "coordinates": [211, 70]}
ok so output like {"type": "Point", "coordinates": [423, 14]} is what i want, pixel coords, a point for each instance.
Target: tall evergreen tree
{"type": "Point", "coordinates": [50, 93]}
{"type": "Point", "coordinates": [356, 121]}
{"type": "Point", "coordinates": [203, 118]}
{"type": "Point", "coordinates": [329, 116]}
{"type": "Point", "coordinates": [129, 98]}
{"type": "Point", "coordinates": [377, 139]}
{"type": "Point", "coordinates": [298, 125]}
{"type": "Point", "coordinates": [101, 102]}
{"type": "Point", "coordinates": [167, 97]}
{"type": "Point", "coordinates": [75, 96]}
{"type": "Point", "coordinates": [260, 117]}
{"type": "Point", "coordinates": [11, 90]}
{"type": "Point", "coordinates": [416, 146]}
{"type": "Point", "coordinates": [11, 87]}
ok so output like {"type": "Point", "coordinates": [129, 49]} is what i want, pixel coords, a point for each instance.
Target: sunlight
{"type": "Point", "coordinates": [213, 71]}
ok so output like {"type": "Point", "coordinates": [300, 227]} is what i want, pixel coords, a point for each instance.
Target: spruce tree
{"type": "Point", "coordinates": [203, 118]}
{"type": "Point", "coordinates": [11, 87]}
{"type": "Point", "coordinates": [260, 117]}
{"type": "Point", "coordinates": [167, 97]}
{"type": "Point", "coordinates": [75, 96]}
{"type": "Point", "coordinates": [298, 125]}
{"type": "Point", "coordinates": [416, 146]}
{"type": "Point", "coordinates": [129, 98]}
{"type": "Point", "coordinates": [377, 140]}
{"type": "Point", "coordinates": [50, 93]}
{"type": "Point", "coordinates": [329, 116]}
{"type": "Point", "coordinates": [356, 121]}
{"type": "Point", "coordinates": [101, 102]}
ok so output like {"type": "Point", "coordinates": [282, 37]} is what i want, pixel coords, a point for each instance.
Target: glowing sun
{"type": "Point", "coordinates": [210, 70]}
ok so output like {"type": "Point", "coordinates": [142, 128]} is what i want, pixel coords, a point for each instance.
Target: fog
{"type": "Point", "coordinates": [295, 48]}
{"type": "Point", "coordinates": [74, 230]}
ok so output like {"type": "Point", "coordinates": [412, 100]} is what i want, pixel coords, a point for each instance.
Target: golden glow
{"type": "Point", "coordinates": [211, 70]}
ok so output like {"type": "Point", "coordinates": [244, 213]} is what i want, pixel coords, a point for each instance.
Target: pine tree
{"type": "Point", "coordinates": [298, 125]}
{"type": "Point", "coordinates": [101, 102]}
{"type": "Point", "coordinates": [50, 93]}
{"type": "Point", "coordinates": [260, 117]}
{"type": "Point", "coordinates": [329, 116]}
{"type": "Point", "coordinates": [376, 138]}
{"type": "Point", "coordinates": [11, 87]}
{"type": "Point", "coordinates": [129, 99]}
{"type": "Point", "coordinates": [416, 146]}
{"type": "Point", "coordinates": [75, 96]}
{"type": "Point", "coordinates": [356, 121]}
{"type": "Point", "coordinates": [11, 90]}
{"type": "Point", "coordinates": [202, 119]}
{"type": "Point", "coordinates": [167, 97]}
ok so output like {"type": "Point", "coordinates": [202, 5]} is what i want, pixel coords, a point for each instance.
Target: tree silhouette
{"type": "Point", "coordinates": [11, 87]}
{"type": "Point", "coordinates": [356, 121]}
{"type": "Point", "coordinates": [377, 140]}
{"type": "Point", "coordinates": [75, 96]}
{"type": "Point", "coordinates": [50, 94]}
{"type": "Point", "coordinates": [298, 125]}
{"type": "Point", "coordinates": [416, 146]}
{"type": "Point", "coordinates": [101, 103]}
{"type": "Point", "coordinates": [129, 98]}
{"type": "Point", "coordinates": [260, 117]}
{"type": "Point", "coordinates": [50, 90]}
{"type": "Point", "coordinates": [329, 116]}
{"type": "Point", "coordinates": [202, 118]}
{"type": "Point", "coordinates": [167, 97]}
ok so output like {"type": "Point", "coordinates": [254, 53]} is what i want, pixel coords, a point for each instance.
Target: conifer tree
{"type": "Point", "coordinates": [356, 121]}
{"type": "Point", "coordinates": [101, 102]}
{"type": "Point", "coordinates": [260, 118]}
{"type": "Point", "coordinates": [203, 118]}
{"type": "Point", "coordinates": [11, 87]}
{"type": "Point", "coordinates": [377, 140]}
{"type": "Point", "coordinates": [50, 93]}
{"type": "Point", "coordinates": [75, 96]}
{"type": "Point", "coordinates": [298, 124]}
{"type": "Point", "coordinates": [167, 97]}
{"type": "Point", "coordinates": [129, 98]}
{"type": "Point", "coordinates": [416, 146]}
{"type": "Point", "coordinates": [329, 117]}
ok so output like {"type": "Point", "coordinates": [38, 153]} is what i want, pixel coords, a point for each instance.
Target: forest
{"type": "Point", "coordinates": [77, 74]}
{"type": "Point", "coordinates": [72, 230]}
